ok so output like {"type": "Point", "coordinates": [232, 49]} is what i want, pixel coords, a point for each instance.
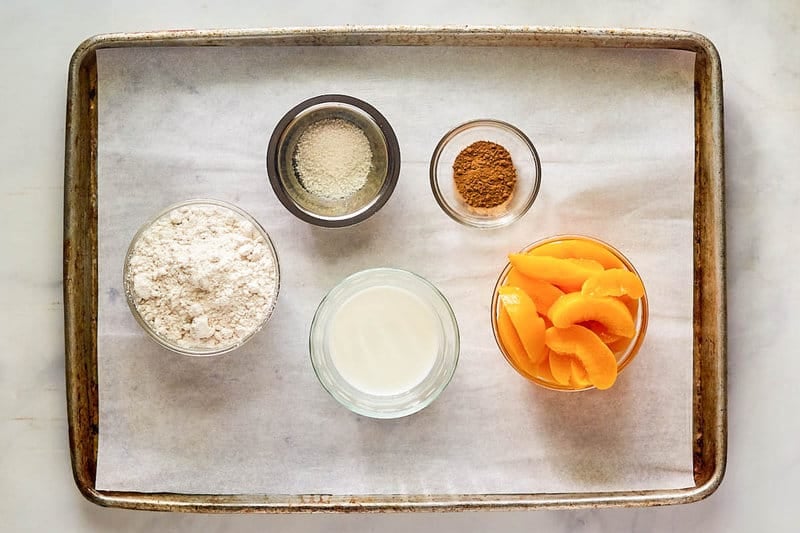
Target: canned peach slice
{"type": "Point", "coordinates": [543, 369]}
{"type": "Point", "coordinates": [579, 249]}
{"type": "Point", "coordinates": [579, 377]}
{"type": "Point", "coordinates": [631, 303]}
{"type": "Point", "coordinates": [574, 308]}
{"type": "Point", "coordinates": [541, 292]}
{"type": "Point", "coordinates": [527, 323]}
{"type": "Point", "coordinates": [613, 282]}
{"type": "Point", "coordinates": [619, 345]}
{"type": "Point", "coordinates": [568, 274]}
{"type": "Point", "coordinates": [596, 357]}
{"type": "Point", "coordinates": [601, 331]}
{"type": "Point", "coordinates": [512, 343]}
{"type": "Point", "coordinates": [560, 367]}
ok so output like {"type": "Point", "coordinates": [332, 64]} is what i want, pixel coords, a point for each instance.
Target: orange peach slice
{"type": "Point", "coordinates": [619, 345]}
{"type": "Point", "coordinates": [631, 304]}
{"type": "Point", "coordinates": [596, 357]}
{"type": "Point", "coordinates": [543, 369]}
{"type": "Point", "coordinates": [613, 282]}
{"type": "Point", "coordinates": [528, 324]}
{"type": "Point", "coordinates": [541, 292]}
{"type": "Point", "coordinates": [601, 331]}
{"type": "Point", "coordinates": [573, 308]}
{"type": "Point", "coordinates": [560, 367]}
{"type": "Point", "coordinates": [568, 274]}
{"type": "Point", "coordinates": [579, 249]}
{"type": "Point", "coordinates": [579, 377]}
{"type": "Point", "coordinates": [513, 345]}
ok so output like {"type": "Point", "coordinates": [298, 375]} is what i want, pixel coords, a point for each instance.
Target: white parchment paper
{"type": "Point", "coordinates": [614, 129]}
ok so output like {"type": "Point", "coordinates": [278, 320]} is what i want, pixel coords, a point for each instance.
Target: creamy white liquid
{"type": "Point", "coordinates": [384, 340]}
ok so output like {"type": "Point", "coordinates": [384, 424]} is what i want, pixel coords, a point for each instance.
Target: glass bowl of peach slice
{"type": "Point", "coordinates": [569, 313]}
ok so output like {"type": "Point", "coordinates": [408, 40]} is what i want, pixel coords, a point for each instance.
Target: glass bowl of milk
{"type": "Point", "coordinates": [384, 343]}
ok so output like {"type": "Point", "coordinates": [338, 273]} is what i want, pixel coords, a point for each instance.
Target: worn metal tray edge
{"type": "Point", "coordinates": [80, 267]}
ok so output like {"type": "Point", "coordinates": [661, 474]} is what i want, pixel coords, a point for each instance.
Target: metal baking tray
{"type": "Point", "coordinates": [80, 266]}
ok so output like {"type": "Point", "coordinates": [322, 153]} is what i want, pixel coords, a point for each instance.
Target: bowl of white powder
{"type": "Point", "coordinates": [333, 160]}
{"type": "Point", "coordinates": [201, 277]}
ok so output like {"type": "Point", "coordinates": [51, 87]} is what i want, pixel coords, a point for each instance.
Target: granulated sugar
{"type": "Point", "coordinates": [333, 158]}
{"type": "Point", "coordinates": [203, 277]}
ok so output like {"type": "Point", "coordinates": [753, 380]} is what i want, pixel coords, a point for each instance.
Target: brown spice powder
{"type": "Point", "coordinates": [484, 174]}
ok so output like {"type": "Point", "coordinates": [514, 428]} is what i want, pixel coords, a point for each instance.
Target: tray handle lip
{"type": "Point", "coordinates": [683, 39]}
{"type": "Point", "coordinates": [708, 53]}
{"type": "Point", "coordinates": [80, 57]}
{"type": "Point", "coordinates": [323, 503]}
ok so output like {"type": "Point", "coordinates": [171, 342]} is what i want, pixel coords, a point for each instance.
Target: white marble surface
{"type": "Point", "coordinates": [759, 44]}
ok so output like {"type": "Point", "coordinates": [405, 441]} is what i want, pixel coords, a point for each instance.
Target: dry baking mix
{"type": "Point", "coordinates": [202, 277]}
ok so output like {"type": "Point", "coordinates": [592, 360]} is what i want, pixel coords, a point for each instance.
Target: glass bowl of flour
{"type": "Point", "coordinates": [201, 277]}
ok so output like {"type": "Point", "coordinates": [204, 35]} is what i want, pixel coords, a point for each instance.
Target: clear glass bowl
{"type": "Point", "coordinates": [523, 155]}
{"type": "Point", "coordinates": [624, 358]}
{"type": "Point", "coordinates": [381, 179]}
{"type": "Point", "coordinates": [384, 406]}
{"type": "Point", "coordinates": [167, 343]}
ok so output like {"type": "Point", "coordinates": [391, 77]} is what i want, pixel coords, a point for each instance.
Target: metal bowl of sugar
{"type": "Point", "coordinates": [333, 160]}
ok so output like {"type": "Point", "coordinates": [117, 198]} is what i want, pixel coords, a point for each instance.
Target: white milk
{"type": "Point", "coordinates": [384, 340]}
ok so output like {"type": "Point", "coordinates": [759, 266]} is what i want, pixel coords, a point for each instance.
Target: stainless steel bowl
{"type": "Point", "coordinates": [381, 179]}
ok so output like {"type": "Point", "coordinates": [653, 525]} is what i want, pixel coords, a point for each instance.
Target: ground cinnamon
{"type": "Point", "coordinates": [484, 174]}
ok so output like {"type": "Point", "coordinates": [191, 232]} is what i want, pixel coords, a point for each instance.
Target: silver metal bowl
{"type": "Point", "coordinates": [381, 179]}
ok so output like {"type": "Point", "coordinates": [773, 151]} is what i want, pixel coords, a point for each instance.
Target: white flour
{"type": "Point", "coordinates": [203, 277]}
{"type": "Point", "coordinates": [333, 158]}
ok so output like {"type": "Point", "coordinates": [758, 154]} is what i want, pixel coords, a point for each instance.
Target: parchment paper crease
{"type": "Point", "coordinates": [614, 129]}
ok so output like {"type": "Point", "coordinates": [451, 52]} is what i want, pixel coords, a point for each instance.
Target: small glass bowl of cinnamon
{"type": "Point", "coordinates": [485, 173]}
